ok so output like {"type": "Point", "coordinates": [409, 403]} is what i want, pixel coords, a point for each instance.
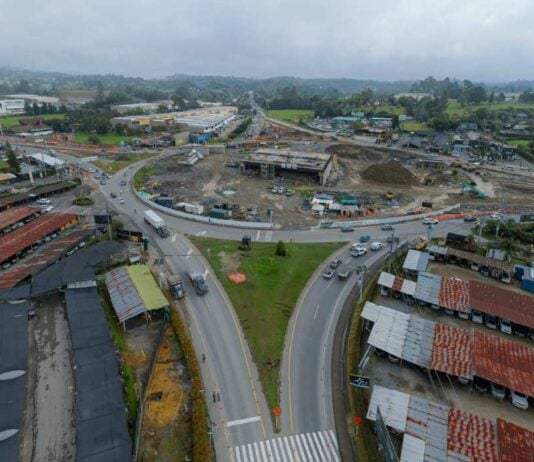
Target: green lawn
{"type": "Point", "coordinates": [292, 115]}
{"type": "Point", "coordinates": [383, 108]}
{"type": "Point", "coordinates": [123, 160]}
{"type": "Point", "coordinates": [264, 303]}
{"type": "Point", "coordinates": [110, 138]}
{"type": "Point", "coordinates": [523, 143]}
{"type": "Point", "coordinates": [9, 122]}
{"type": "Point", "coordinates": [414, 126]}
{"type": "Point", "coordinates": [4, 166]}
{"type": "Point", "coordinates": [454, 108]}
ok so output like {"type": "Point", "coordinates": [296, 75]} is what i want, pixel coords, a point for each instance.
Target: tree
{"type": "Point", "coordinates": [83, 191]}
{"type": "Point", "coordinates": [510, 248]}
{"type": "Point", "coordinates": [280, 249]}
{"type": "Point", "coordinates": [93, 139]}
{"type": "Point", "coordinates": [12, 160]}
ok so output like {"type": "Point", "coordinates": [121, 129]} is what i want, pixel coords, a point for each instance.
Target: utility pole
{"type": "Point", "coordinates": [391, 249]}
{"type": "Point", "coordinates": [108, 218]}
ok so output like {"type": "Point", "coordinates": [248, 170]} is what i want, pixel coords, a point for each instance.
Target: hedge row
{"type": "Point", "coordinates": [201, 445]}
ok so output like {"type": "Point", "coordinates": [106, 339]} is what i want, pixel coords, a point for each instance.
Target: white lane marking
{"type": "Point", "coordinates": [268, 236]}
{"type": "Point", "coordinates": [174, 236]}
{"type": "Point", "coordinates": [206, 273]}
{"type": "Point", "coordinates": [316, 310]}
{"type": "Point", "coordinates": [234, 423]}
{"type": "Point", "coordinates": [201, 233]}
{"type": "Point", "coordinates": [318, 446]}
{"type": "Point", "coordinates": [258, 235]}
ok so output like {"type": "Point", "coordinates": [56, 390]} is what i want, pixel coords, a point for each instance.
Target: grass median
{"type": "Point", "coordinates": [292, 115]}
{"type": "Point", "coordinates": [264, 303]}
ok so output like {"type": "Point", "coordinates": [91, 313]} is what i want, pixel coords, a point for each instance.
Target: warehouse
{"type": "Point", "coordinates": [272, 163]}
{"type": "Point", "coordinates": [433, 431]}
{"type": "Point", "coordinates": [35, 193]}
{"type": "Point", "coordinates": [14, 218]}
{"type": "Point", "coordinates": [44, 160]}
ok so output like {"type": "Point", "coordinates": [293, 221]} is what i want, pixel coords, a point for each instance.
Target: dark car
{"type": "Point", "coordinates": [470, 218]}
{"type": "Point", "coordinates": [335, 264]}
{"type": "Point", "coordinates": [113, 195]}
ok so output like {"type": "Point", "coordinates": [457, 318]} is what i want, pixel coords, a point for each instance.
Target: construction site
{"type": "Point", "coordinates": [283, 177]}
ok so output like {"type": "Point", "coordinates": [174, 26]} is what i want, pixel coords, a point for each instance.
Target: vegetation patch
{"type": "Point", "coordinates": [121, 161]}
{"type": "Point", "coordinates": [11, 122]}
{"type": "Point", "coordinates": [109, 138]}
{"type": "Point", "coordinates": [83, 201]}
{"type": "Point", "coordinates": [143, 175]}
{"type": "Point", "coordinates": [292, 115]}
{"type": "Point", "coordinates": [264, 303]}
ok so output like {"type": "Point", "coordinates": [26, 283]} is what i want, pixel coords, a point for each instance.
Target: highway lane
{"type": "Point", "coordinates": [242, 415]}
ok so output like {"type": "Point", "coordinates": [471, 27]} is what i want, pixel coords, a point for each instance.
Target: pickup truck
{"type": "Point", "coordinates": [199, 283]}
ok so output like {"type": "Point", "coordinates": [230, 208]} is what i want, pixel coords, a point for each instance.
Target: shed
{"type": "Point", "coordinates": [428, 288]}
{"type": "Point", "coordinates": [393, 406]}
{"type": "Point", "coordinates": [415, 261]}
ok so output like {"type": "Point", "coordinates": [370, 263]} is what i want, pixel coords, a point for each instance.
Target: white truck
{"type": "Point", "coordinates": [158, 223]}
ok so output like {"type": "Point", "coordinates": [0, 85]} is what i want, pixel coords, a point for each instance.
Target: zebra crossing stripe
{"type": "Point", "coordinates": [305, 447]}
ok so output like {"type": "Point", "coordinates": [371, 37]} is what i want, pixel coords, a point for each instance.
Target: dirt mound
{"type": "Point", "coordinates": [355, 152]}
{"type": "Point", "coordinates": [389, 173]}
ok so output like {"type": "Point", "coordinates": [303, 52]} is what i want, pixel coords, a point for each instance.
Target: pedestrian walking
{"type": "Point", "coordinates": [203, 358]}
{"type": "Point", "coordinates": [214, 397]}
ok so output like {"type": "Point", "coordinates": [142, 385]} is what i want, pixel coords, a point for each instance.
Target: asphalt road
{"type": "Point", "coordinates": [241, 417]}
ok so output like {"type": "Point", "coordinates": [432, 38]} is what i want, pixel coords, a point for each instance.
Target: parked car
{"type": "Point", "coordinates": [498, 391]}
{"type": "Point", "coordinates": [335, 264]}
{"type": "Point", "coordinates": [376, 246]}
{"type": "Point", "coordinates": [505, 326]}
{"type": "Point", "coordinates": [347, 229]}
{"type": "Point", "coordinates": [477, 317]}
{"type": "Point", "coordinates": [491, 321]}
{"type": "Point", "coordinates": [387, 228]}
{"type": "Point", "coordinates": [365, 238]}
{"type": "Point", "coordinates": [481, 385]}
{"type": "Point", "coordinates": [329, 274]}
{"type": "Point", "coordinates": [519, 400]}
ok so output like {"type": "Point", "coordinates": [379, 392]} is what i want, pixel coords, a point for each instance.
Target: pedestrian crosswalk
{"type": "Point", "coordinates": [305, 447]}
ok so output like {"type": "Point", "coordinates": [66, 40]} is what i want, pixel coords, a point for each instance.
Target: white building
{"type": "Point", "coordinates": [30, 99]}
{"type": "Point", "coordinates": [11, 106]}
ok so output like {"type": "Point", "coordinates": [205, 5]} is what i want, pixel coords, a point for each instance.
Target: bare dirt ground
{"type": "Point", "coordinates": [49, 433]}
{"type": "Point", "coordinates": [166, 431]}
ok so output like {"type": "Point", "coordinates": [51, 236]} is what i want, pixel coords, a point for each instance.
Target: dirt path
{"type": "Point", "coordinates": [53, 425]}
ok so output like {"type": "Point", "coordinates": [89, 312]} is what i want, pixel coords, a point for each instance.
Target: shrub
{"type": "Point", "coordinates": [280, 249]}
{"type": "Point", "coordinates": [83, 201]}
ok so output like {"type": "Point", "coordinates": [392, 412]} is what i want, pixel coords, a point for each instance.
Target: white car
{"type": "Point", "coordinates": [376, 246]}
{"type": "Point", "coordinates": [430, 221]}
{"type": "Point", "coordinates": [496, 216]}
{"type": "Point", "coordinates": [519, 400]}
{"type": "Point", "coordinates": [358, 252]}
{"type": "Point", "coordinates": [121, 201]}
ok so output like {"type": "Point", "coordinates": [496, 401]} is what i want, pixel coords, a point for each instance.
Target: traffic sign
{"type": "Point", "coordinates": [277, 411]}
{"type": "Point", "coordinates": [360, 381]}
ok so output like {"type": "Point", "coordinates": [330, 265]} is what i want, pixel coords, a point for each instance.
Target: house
{"type": "Point", "coordinates": [410, 142]}
{"type": "Point", "coordinates": [439, 143]}
{"type": "Point", "coordinates": [468, 126]}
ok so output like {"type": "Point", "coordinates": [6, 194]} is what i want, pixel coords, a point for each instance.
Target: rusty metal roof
{"type": "Point", "coordinates": [23, 237]}
{"type": "Point", "coordinates": [472, 436]}
{"type": "Point", "coordinates": [41, 259]}
{"type": "Point", "coordinates": [503, 303]}
{"type": "Point", "coordinates": [12, 216]}
{"type": "Point", "coordinates": [507, 363]}
{"type": "Point", "coordinates": [454, 294]}
{"type": "Point", "coordinates": [516, 444]}
{"type": "Point", "coordinates": [484, 261]}
{"type": "Point", "coordinates": [396, 283]}
{"type": "Point", "coordinates": [451, 351]}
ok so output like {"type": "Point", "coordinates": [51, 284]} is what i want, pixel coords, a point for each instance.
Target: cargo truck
{"type": "Point", "coordinates": [176, 286]}
{"type": "Point", "coordinates": [199, 283]}
{"type": "Point", "coordinates": [158, 223]}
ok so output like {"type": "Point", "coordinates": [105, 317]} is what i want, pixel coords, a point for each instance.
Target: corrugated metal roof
{"type": "Point", "coordinates": [408, 287]}
{"type": "Point", "coordinates": [415, 261]}
{"type": "Point", "coordinates": [419, 340]}
{"type": "Point", "coordinates": [454, 294]}
{"type": "Point", "coordinates": [428, 421]}
{"type": "Point", "coordinates": [484, 261]}
{"type": "Point", "coordinates": [503, 303]}
{"type": "Point", "coordinates": [452, 351]}
{"type": "Point", "coordinates": [12, 216]}
{"type": "Point", "coordinates": [393, 407]}
{"type": "Point", "coordinates": [413, 449]}
{"type": "Point", "coordinates": [123, 294]}
{"type": "Point", "coordinates": [386, 279]}
{"type": "Point", "coordinates": [510, 364]}
{"type": "Point", "coordinates": [437, 250]}
{"type": "Point", "coordinates": [389, 331]}
{"type": "Point", "coordinates": [371, 311]}
{"type": "Point", "coordinates": [146, 286]}
{"type": "Point", "coordinates": [42, 258]}
{"type": "Point", "coordinates": [23, 237]}
{"type": "Point", "coordinates": [428, 288]}
{"type": "Point", "coordinates": [472, 436]}
{"type": "Point", "coordinates": [516, 444]}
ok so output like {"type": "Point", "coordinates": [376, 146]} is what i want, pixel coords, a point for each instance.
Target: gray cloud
{"type": "Point", "coordinates": [385, 39]}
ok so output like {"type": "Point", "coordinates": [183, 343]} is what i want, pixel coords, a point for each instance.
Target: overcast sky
{"type": "Point", "coordinates": [490, 40]}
